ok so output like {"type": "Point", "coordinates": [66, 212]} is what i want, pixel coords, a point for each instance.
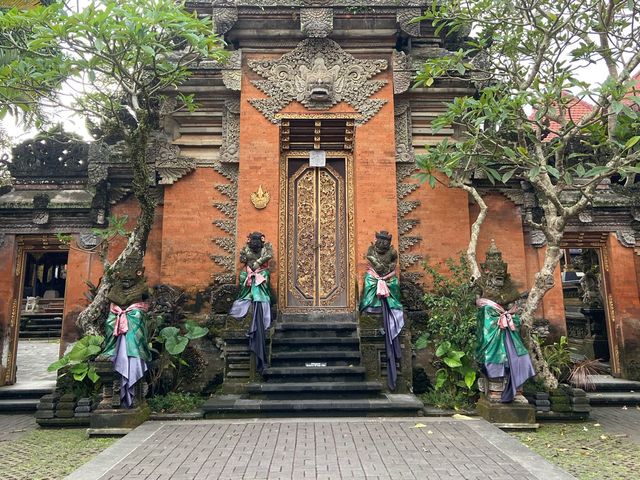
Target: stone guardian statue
{"type": "Point", "coordinates": [255, 290]}
{"type": "Point", "coordinates": [500, 351]}
{"type": "Point", "coordinates": [381, 294]}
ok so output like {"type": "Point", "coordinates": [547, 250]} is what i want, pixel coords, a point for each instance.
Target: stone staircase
{"type": "Point", "coordinates": [614, 391]}
{"type": "Point", "coordinates": [315, 370]}
{"type": "Point", "coordinates": [24, 397]}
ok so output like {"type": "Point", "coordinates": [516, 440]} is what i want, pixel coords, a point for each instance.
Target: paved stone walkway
{"type": "Point", "coordinates": [34, 356]}
{"type": "Point", "coordinates": [14, 426]}
{"type": "Point", "coordinates": [321, 449]}
{"type": "Point", "coordinates": [619, 420]}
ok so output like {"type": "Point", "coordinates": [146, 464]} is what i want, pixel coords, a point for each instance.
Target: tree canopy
{"type": "Point", "coordinates": [533, 63]}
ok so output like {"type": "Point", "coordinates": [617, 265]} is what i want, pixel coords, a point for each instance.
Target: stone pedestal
{"type": "Point", "coordinates": [109, 418]}
{"type": "Point", "coordinates": [507, 415]}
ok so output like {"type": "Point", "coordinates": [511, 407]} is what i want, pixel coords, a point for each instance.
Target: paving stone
{"type": "Point", "coordinates": [320, 449]}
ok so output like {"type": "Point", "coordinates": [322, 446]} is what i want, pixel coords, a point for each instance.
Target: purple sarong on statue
{"type": "Point", "coordinates": [261, 318]}
{"type": "Point", "coordinates": [131, 369]}
{"type": "Point", "coordinates": [393, 321]}
{"type": "Point", "coordinates": [517, 369]}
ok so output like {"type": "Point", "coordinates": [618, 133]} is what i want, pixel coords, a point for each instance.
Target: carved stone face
{"type": "Point", "coordinates": [319, 83]}
{"type": "Point", "coordinates": [256, 241]}
{"type": "Point", "coordinates": [382, 245]}
{"type": "Point", "coordinates": [129, 280]}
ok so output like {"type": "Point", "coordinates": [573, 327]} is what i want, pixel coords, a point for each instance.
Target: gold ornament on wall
{"type": "Point", "coordinates": [260, 198]}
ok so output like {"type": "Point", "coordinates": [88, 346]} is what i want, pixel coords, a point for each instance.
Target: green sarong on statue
{"type": "Point", "coordinates": [136, 337]}
{"type": "Point", "coordinates": [370, 299]}
{"type": "Point", "coordinates": [258, 288]}
{"type": "Point", "coordinates": [490, 344]}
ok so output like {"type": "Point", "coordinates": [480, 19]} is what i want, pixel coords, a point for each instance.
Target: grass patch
{"type": "Point", "coordinates": [44, 454]}
{"type": "Point", "coordinates": [585, 450]}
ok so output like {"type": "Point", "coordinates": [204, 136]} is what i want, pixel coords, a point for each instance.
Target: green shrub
{"type": "Point", "coordinates": [176, 402]}
{"type": "Point", "coordinates": [450, 328]}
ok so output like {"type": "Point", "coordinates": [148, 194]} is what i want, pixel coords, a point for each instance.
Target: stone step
{"type": "Point", "coordinates": [300, 359]}
{"type": "Point", "coordinates": [306, 344]}
{"type": "Point", "coordinates": [316, 329]}
{"type": "Point", "coordinates": [235, 406]}
{"type": "Point", "coordinates": [18, 405]}
{"type": "Point", "coordinates": [614, 398]}
{"type": "Point", "coordinates": [31, 390]}
{"type": "Point", "coordinates": [314, 390]}
{"type": "Point", "coordinates": [40, 334]}
{"type": "Point", "coordinates": [314, 374]}
{"type": "Point", "coordinates": [609, 383]}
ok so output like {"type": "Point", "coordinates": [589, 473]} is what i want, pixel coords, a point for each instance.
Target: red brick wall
{"type": "Point", "coordinates": [444, 224]}
{"type": "Point", "coordinates": [624, 293]}
{"type": "Point", "coordinates": [7, 283]}
{"type": "Point", "coordinates": [187, 230]}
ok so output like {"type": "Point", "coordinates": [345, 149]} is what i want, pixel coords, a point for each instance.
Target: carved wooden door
{"type": "Point", "coordinates": [317, 235]}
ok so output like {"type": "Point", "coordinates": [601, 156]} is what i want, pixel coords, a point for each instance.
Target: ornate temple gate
{"type": "Point", "coordinates": [317, 234]}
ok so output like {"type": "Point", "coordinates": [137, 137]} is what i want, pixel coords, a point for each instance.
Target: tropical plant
{"type": "Point", "coordinates": [558, 357]}
{"type": "Point", "coordinates": [529, 60]}
{"type": "Point", "coordinates": [168, 346]}
{"type": "Point", "coordinates": [77, 360]}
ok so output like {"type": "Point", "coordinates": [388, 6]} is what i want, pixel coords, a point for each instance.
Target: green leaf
{"type": "Point", "coordinates": [452, 362]}
{"type": "Point", "coordinates": [469, 379]}
{"type": "Point", "coordinates": [194, 330]}
{"type": "Point", "coordinates": [176, 345]}
{"type": "Point", "coordinates": [57, 365]}
{"type": "Point", "coordinates": [441, 378]}
{"type": "Point", "coordinates": [443, 348]}
{"type": "Point", "coordinates": [632, 141]}
{"type": "Point", "coordinates": [553, 171]}
{"type": "Point", "coordinates": [422, 342]}
{"type": "Point", "coordinates": [169, 332]}
{"type": "Point", "coordinates": [93, 374]}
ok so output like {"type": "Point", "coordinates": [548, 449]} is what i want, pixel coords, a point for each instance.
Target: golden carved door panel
{"type": "Point", "coordinates": [317, 243]}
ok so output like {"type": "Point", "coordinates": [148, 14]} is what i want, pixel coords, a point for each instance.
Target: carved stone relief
{"type": "Point", "coordinates": [225, 15]}
{"type": "Point", "coordinates": [406, 225]}
{"type": "Point", "coordinates": [402, 72]}
{"type": "Point", "coordinates": [318, 74]}
{"type": "Point", "coordinates": [404, 146]}
{"type": "Point", "coordinates": [230, 149]}
{"type": "Point", "coordinates": [227, 224]}
{"type": "Point", "coordinates": [404, 17]}
{"type": "Point", "coordinates": [40, 209]}
{"type": "Point", "coordinates": [316, 22]}
{"type": "Point", "coordinates": [88, 240]}
{"type": "Point", "coordinates": [232, 71]}
{"type": "Point", "coordinates": [537, 238]}
{"type": "Point", "coordinates": [170, 166]}
{"type": "Point", "coordinates": [626, 237]}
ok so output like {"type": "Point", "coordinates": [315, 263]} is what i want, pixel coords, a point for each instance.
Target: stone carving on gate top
{"type": "Point", "coordinates": [318, 74]}
{"type": "Point", "coordinates": [316, 22]}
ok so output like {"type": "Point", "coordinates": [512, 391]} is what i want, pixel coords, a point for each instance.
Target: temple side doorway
{"type": "Point", "coordinates": [38, 308]}
{"type": "Point", "coordinates": [590, 331]}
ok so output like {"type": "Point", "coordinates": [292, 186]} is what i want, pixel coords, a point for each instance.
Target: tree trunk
{"type": "Point", "coordinates": [544, 281]}
{"type": "Point", "coordinates": [91, 319]}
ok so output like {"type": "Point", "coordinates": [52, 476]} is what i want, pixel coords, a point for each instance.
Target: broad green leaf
{"type": "Point", "coordinates": [176, 345]}
{"type": "Point", "coordinates": [169, 332]}
{"type": "Point", "coordinates": [443, 348]}
{"type": "Point", "coordinates": [441, 378]}
{"type": "Point", "coordinates": [469, 379]}
{"type": "Point", "coordinates": [452, 362]}
{"type": "Point", "coordinates": [194, 330]}
{"type": "Point", "coordinates": [422, 341]}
